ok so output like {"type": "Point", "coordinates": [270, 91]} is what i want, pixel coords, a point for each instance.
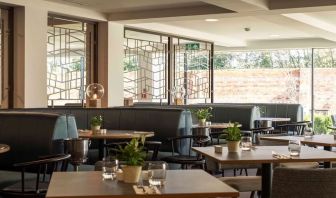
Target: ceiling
{"type": "Point", "coordinates": [271, 23]}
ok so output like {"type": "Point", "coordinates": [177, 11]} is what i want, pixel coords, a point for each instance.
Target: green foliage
{"type": "Point", "coordinates": [133, 153]}
{"type": "Point", "coordinates": [321, 123]}
{"type": "Point", "coordinates": [96, 120]}
{"type": "Point", "coordinates": [130, 65]}
{"type": "Point", "coordinates": [203, 113]}
{"type": "Point", "coordinates": [233, 132]}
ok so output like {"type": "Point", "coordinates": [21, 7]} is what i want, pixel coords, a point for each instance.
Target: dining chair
{"type": "Point", "coordinates": [294, 128]}
{"type": "Point", "coordinates": [37, 187]}
{"type": "Point", "coordinates": [304, 183]}
{"type": "Point", "coordinates": [181, 151]}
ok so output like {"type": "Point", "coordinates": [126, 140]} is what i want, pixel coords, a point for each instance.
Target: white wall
{"type": "Point", "coordinates": [31, 51]}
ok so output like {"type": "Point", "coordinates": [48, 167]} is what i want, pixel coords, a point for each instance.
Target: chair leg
{"type": "Point", "coordinates": [234, 172]}
{"type": "Point", "coordinates": [246, 172]}
{"type": "Point", "coordinates": [252, 194]}
{"type": "Point", "coordinates": [241, 171]}
{"type": "Point", "coordinates": [222, 172]}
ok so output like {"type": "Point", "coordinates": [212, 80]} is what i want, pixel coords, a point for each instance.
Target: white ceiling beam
{"type": "Point", "coordinates": [285, 4]}
{"type": "Point", "coordinates": [290, 22]}
{"type": "Point", "coordinates": [168, 12]}
{"type": "Point", "coordinates": [200, 35]}
{"type": "Point", "coordinates": [240, 5]}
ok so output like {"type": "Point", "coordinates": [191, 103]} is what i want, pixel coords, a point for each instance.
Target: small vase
{"type": "Point", "coordinates": [201, 122]}
{"type": "Point", "coordinates": [95, 129]}
{"type": "Point", "coordinates": [131, 174]}
{"type": "Point", "coordinates": [233, 146]}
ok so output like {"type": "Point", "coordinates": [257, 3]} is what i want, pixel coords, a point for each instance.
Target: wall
{"type": "Point", "coordinates": [30, 50]}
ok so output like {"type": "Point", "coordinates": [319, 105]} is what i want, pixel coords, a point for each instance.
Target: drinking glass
{"type": "Point", "coordinates": [157, 173]}
{"type": "Point", "coordinates": [308, 133]}
{"type": "Point", "coordinates": [109, 168]}
{"type": "Point", "coordinates": [246, 143]}
{"type": "Point", "coordinates": [294, 147]}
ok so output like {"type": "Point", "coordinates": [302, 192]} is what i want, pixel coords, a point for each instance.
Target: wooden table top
{"type": "Point", "coordinates": [215, 125]}
{"type": "Point", "coordinates": [317, 140]}
{"type": "Point", "coordinates": [115, 134]}
{"type": "Point", "coordinates": [179, 183]}
{"type": "Point", "coordinates": [263, 154]}
{"type": "Point", "coordinates": [275, 119]}
{"type": "Point", "coordinates": [4, 148]}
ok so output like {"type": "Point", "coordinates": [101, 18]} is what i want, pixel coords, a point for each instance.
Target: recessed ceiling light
{"type": "Point", "coordinates": [211, 20]}
{"type": "Point", "coordinates": [274, 35]}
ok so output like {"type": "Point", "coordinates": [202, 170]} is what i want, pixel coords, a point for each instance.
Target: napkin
{"type": "Point", "coordinates": [144, 190]}
{"type": "Point", "coordinates": [280, 156]}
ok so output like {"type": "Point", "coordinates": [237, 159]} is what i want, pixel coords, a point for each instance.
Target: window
{"type": "Point", "coordinates": [151, 71]}
{"type": "Point", "coordinates": [70, 60]}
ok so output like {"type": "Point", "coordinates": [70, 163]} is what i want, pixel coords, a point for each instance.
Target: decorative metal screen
{"type": "Point", "coordinates": [67, 56]}
{"type": "Point", "coordinates": [145, 69]}
{"type": "Point", "coordinates": [192, 69]}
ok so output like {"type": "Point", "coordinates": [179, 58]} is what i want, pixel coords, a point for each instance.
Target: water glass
{"type": "Point", "coordinates": [109, 168]}
{"type": "Point", "coordinates": [294, 147]}
{"type": "Point", "coordinates": [157, 173]}
{"type": "Point", "coordinates": [308, 133]}
{"type": "Point", "coordinates": [246, 143]}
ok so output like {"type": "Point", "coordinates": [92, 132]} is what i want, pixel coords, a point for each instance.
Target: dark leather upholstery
{"type": "Point", "coordinates": [31, 135]}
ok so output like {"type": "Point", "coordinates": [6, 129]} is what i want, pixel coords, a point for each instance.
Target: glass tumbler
{"type": "Point", "coordinates": [246, 143]}
{"type": "Point", "coordinates": [294, 147]}
{"type": "Point", "coordinates": [157, 173]}
{"type": "Point", "coordinates": [109, 168]}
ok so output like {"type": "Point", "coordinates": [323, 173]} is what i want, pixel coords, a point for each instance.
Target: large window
{"type": "Point", "coordinates": [70, 60]}
{"type": "Point", "coordinates": [155, 64]}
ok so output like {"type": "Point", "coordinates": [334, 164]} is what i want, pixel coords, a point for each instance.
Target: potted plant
{"type": "Point", "coordinates": [133, 155]}
{"type": "Point", "coordinates": [233, 137]}
{"type": "Point", "coordinates": [202, 115]}
{"type": "Point", "coordinates": [96, 123]}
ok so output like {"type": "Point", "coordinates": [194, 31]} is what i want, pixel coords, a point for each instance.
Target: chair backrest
{"type": "Point", "coordinates": [44, 168]}
{"type": "Point", "coordinates": [304, 183]}
{"type": "Point", "coordinates": [187, 141]}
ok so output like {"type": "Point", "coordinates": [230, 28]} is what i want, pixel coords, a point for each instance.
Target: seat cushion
{"type": "Point", "coordinates": [243, 183]}
{"type": "Point", "coordinates": [300, 165]}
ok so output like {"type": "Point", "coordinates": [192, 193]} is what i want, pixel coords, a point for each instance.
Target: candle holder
{"type": "Point", "coordinates": [94, 93]}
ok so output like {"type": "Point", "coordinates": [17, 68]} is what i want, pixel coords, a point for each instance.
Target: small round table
{"type": "Point", "coordinates": [4, 148]}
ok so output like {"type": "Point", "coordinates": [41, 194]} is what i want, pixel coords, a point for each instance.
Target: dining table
{"type": "Point", "coordinates": [112, 135]}
{"type": "Point", "coordinates": [179, 183]}
{"type": "Point", "coordinates": [324, 140]}
{"type": "Point", "coordinates": [266, 156]}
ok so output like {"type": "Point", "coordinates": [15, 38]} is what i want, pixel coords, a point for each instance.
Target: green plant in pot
{"type": "Point", "coordinates": [96, 123]}
{"type": "Point", "coordinates": [133, 155]}
{"type": "Point", "coordinates": [202, 115]}
{"type": "Point", "coordinates": [233, 137]}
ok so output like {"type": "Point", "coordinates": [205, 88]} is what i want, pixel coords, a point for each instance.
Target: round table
{"type": "Point", "coordinates": [4, 148]}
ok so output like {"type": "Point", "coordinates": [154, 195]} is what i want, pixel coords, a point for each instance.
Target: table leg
{"type": "Point", "coordinates": [266, 183]}
{"type": "Point", "coordinates": [327, 164]}
{"type": "Point", "coordinates": [101, 149]}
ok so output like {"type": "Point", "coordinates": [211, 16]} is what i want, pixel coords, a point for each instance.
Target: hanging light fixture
{"type": "Point", "coordinates": [94, 93]}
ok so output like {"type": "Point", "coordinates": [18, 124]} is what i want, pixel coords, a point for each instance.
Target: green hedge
{"type": "Point", "coordinates": [321, 122]}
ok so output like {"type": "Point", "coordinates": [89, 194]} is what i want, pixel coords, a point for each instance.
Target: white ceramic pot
{"type": "Point", "coordinates": [131, 174]}
{"type": "Point", "coordinates": [95, 129]}
{"type": "Point", "coordinates": [201, 122]}
{"type": "Point", "coordinates": [233, 146]}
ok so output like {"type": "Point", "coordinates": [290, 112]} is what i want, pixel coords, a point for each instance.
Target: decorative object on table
{"type": "Point", "coordinates": [218, 149]}
{"type": "Point", "coordinates": [128, 102]}
{"type": "Point", "coordinates": [96, 123]}
{"type": "Point", "coordinates": [202, 115]}
{"type": "Point", "coordinates": [233, 137]}
{"type": "Point", "coordinates": [133, 155]}
{"type": "Point", "coordinates": [308, 132]}
{"type": "Point", "coordinates": [78, 149]}
{"type": "Point", "coordinates": [178, 93]}
{"type": "Point", "coordinates": [94, 93]}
